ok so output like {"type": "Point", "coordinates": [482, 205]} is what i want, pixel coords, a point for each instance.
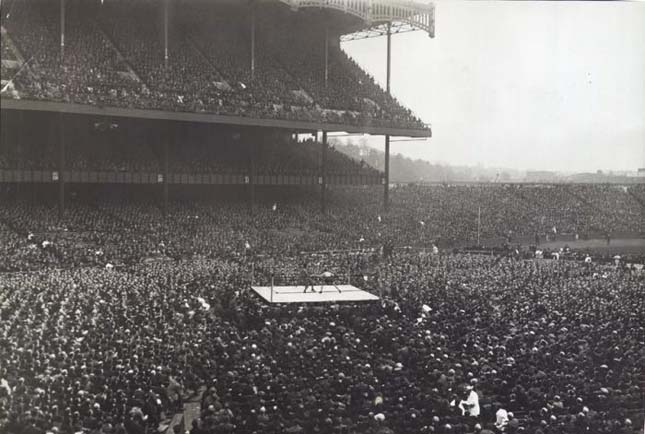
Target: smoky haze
{"type": "Point", "coordinates": [525, 85]}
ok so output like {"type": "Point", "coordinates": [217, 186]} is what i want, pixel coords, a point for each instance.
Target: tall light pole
{"type": "Point", "coordinates": [252, 40]}
{"type": "Point", "coordinates": [386, 186]}
{"type": "Point", "coordinates": [62, 29]}
{"type": "Point", "coordinates": [165, 32]}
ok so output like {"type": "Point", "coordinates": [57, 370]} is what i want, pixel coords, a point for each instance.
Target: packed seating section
{"type": "Point", "coordinates": [114, 56]}
{"type": "Point", "coordinates": [97, 229]}
{"type": "Point", "coordinates": [558, 344]}
{"type": "Point", "coordinates": [120, 147]}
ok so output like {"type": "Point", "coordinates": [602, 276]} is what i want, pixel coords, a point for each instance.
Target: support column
{"type": "Point", "coordinates": [165, 32]}
{"type": "Point", "coordinates": [326, 54]}
{"type": "Point", "coordinates": [389, 56]}
{"type": "Point", "coordinates": [252, 40]}
{"type": "Point", "coordinates": [323, 172]}
{"type": "Point", "coordinates": [386, 184]}
{"type": "Point", "coordinates": [62, 29]}
{"type": "Point", "coordinates": [252, 171]}
{"type": "Point", "coordinates": [166, 171]}
{"type": "Point", "coordinates": [61, 165]}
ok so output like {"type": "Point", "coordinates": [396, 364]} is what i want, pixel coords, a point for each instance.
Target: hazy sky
{"type": "Point", "coordinates": [527, 85]}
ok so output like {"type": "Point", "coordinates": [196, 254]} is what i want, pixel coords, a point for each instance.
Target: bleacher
{"type": "Point", "coordinates": [114, 56]}
{"type": "Point", "coordinates": [126, 147]}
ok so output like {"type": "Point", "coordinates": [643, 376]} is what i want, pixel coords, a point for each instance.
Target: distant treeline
{"type": "Point", "coordinates": [405, 169]}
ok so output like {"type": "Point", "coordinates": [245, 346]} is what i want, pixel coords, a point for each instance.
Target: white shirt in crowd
{"type": "Point", "coordinates": [470, 407]}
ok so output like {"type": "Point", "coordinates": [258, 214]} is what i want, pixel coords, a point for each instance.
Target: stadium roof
{"type": "Point", "coordinates": [372, 14]}
{"type": "Point", "coordinates": [357, 19]}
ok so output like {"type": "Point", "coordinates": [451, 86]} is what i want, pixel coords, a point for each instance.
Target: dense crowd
{"type": "Point", "coordinates": [119, 147]}
{"type": "Point", "coordinates": [289, 220]}
{"type": "Point", "coordinates": [114, 56]}
{"type": "Point", "coordinates": [546, 347]}
{"type": "Point", "coordinates": [279, 157]}
{"type": "Point", "coordinates": [543, 211]}
{"type": "Point", "coordinates": [117, 314]}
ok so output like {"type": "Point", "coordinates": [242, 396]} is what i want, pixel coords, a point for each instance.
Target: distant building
{"type": "Point", "coordinates": [613, 177]}
{"type": "Point", "coordinates": [541, 176]}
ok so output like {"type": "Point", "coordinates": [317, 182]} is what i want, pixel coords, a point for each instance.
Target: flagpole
{"type": "Point", "coordinates": [479, 223]}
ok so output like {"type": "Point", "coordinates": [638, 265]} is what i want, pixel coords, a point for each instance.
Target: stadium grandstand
{"type": "Point", "coordinates": [162, 160]}
{"type": "Point", "coordinates": [254, 72]}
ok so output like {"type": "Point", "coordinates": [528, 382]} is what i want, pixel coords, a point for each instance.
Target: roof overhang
{"type": "Point", "coordinates": [375, 13]}
{"type": "Point", "coordinates": [240, 121]}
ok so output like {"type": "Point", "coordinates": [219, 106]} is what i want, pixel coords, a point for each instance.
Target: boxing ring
{"type": "Point", "coordinates": [312, 277]}
{"type": "Point", "coordinates": [320, 294]}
